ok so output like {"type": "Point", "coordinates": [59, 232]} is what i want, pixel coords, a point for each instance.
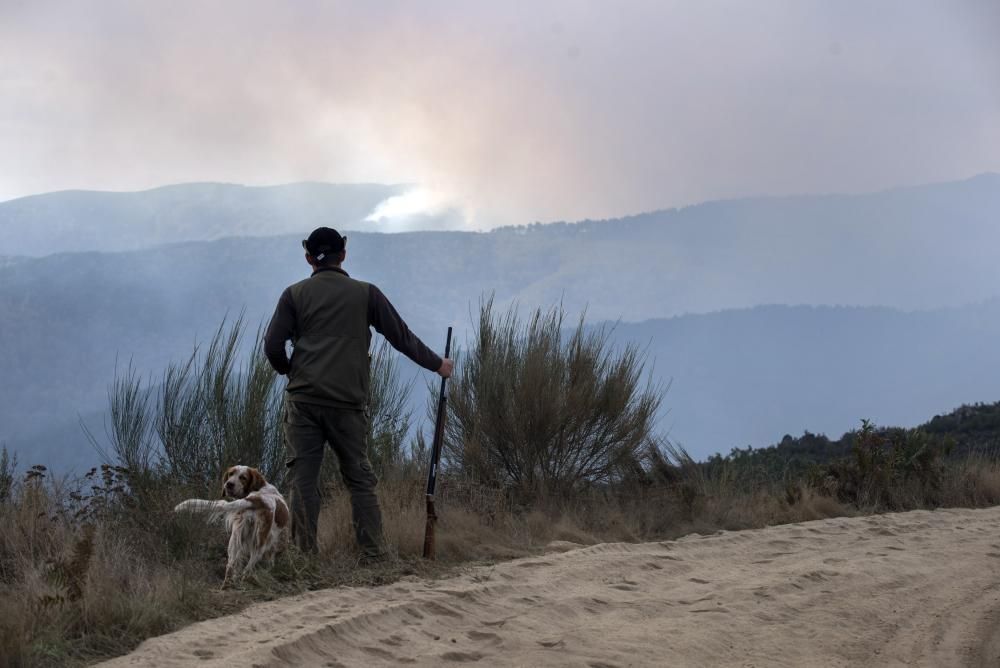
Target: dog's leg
{"type": "Point", "coordinates": [235, 544]}
{"type": "Point", "coordinates": [251, 562]}
{"type": "Point", "coordinates": [274, 544]}
{"type": "Point", "coordinates": [263, 524]}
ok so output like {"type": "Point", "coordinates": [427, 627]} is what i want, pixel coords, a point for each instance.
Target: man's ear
{"type": "Point", "coordinates": [343, 256]}
{"type": "Point", "coordinates": [309, 259]}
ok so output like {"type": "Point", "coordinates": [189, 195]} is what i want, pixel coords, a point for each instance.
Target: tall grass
{"type": "Point", "coordinates": [391, 417]}
{"type": "Point", "coordinates": [211, 411]}
{"type": "Point", "coordinates": [219, 407]}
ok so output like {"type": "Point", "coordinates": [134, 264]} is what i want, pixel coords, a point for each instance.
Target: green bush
{"type": "Point", "coordinates": [890, 469]}
{"type": "Point", "coordinates": [543, 410]}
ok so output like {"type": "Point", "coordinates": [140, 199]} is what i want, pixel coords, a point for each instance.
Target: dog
{"type": "Point", "coordinates": [256, 516]}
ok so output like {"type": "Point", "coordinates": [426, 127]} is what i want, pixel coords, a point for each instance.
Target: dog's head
{"type": "Point", "coordinates": [238, 481]}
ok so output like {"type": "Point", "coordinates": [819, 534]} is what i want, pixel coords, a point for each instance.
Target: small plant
{"type": "Point", "coordinates": [8, 468]}
{"type": "Point", "coordinates": [36, 474]}
{"type": "Point", "coordinates": [101, 494]}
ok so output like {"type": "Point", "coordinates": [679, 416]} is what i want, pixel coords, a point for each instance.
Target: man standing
{"type": "Point", "coordinates": [327, 317]}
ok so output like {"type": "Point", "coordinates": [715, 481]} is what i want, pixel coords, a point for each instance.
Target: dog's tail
{"type": "Point", "coordinates": [217, 511]}
{"type": "Point", "coordinates": [200, 505]}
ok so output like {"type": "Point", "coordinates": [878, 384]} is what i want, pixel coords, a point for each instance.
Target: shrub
{"type": "Point", "coordinates": [217, 408]}
{"type": "Point", "coordinates": [545, 410]}
{"type": "Point", "coordinates": [213, 413]}
{"type": "Point", "coordinates": [390, 413]}
{"type": "Point", "coordinates": [890, 469]}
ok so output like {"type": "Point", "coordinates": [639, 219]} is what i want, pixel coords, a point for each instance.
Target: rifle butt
{"type": "Point", "coordinates": [429, 529]}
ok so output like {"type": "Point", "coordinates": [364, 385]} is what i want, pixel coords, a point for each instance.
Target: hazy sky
{"type": "Point", "coordinates": [517, 111]}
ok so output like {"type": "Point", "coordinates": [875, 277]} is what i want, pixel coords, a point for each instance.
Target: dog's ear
{"type": "Point", "coordinates": [225, 476]}
{"type": "Point", "coordinates": [256, 481]}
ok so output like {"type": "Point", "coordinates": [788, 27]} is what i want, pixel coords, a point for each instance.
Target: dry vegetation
{"type": "Point", "coordinates": [90, 567]}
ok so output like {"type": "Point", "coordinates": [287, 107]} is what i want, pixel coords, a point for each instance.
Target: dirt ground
{"type": "Point", "coordinates": [916, 589]}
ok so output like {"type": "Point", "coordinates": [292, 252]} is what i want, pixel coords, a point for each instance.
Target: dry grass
{"type": "Point", "coordinates": [82, 580]}
{"type": "Point", "coordinates": [975, 481]}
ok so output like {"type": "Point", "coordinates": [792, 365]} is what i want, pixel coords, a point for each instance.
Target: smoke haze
{"type": "Point", "coordinates": [506, 113]}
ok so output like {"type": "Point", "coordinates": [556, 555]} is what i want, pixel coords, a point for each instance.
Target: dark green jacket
{"type": "Point", "coordinates": [327, 318]}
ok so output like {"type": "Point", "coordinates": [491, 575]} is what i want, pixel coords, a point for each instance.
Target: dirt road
{"type": "Point", "coordinates": [915, 589]}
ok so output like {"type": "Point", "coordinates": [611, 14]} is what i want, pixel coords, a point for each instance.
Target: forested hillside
{"type": "Point", "coordinates": [965, 432]}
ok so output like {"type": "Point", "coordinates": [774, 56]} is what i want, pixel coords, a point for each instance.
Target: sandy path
{"type": "Point", "coordinates": [919, 588]}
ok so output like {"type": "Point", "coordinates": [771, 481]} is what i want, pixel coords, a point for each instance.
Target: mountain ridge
{"type": "Point", "coordinates": [39, 225]}
{"type": "Point", "coordinates": [16, 214]}
{"type": "Point", "coordinates": [67, 316]}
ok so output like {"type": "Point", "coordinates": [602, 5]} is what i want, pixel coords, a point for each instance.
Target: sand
{"type": "Point", "coordinates": [909, 589]}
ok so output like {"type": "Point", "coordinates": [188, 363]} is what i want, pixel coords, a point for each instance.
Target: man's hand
{"type": "Point", "coordinates": [447, 366]}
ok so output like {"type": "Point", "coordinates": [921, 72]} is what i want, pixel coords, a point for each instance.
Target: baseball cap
{"type": "Point", "coordinates": [322, 241]}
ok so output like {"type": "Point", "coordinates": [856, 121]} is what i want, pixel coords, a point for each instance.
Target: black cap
{"type": "Point", "coordinates": [324, 241]}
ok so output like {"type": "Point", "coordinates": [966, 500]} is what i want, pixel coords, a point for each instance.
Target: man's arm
{"type": "Point", "coordinates": [280, 330]}
{"type": "Point", "coordinates": [386, 321]}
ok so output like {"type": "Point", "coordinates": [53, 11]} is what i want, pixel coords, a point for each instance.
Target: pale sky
{"type": "Point", "coordinates": [515, 112]}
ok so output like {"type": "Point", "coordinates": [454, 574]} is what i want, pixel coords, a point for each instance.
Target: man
{"type": "Point", "coordinates": [327, 317]}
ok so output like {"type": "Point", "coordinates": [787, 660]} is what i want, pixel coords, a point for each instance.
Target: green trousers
{"type": "Point", "coordinates": [308, 429]}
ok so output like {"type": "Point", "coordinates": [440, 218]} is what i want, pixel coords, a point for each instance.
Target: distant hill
{"type": "Point", "coordinates": [740, 376]}
{"type": "Point", "coordinates": [745, 377]}
{"type": "Point", "coordinates": [79, 220]}
{"type": "Point", "coordinates": [912, 248]}
{"type": "Point", "coordinates": [909, 248]}
{"type": "Point", "coordinates": [10, 260]}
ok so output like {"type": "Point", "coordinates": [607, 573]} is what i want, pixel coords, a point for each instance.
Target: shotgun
{"type": "Point", "coordinates": [435, 458]}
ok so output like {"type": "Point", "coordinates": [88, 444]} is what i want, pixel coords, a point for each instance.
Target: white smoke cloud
{"type": "Point", "coordinates": [419, 208]}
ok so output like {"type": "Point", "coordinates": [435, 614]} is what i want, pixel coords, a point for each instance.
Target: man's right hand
{"type": "Point", "coordinates": [447, 366]}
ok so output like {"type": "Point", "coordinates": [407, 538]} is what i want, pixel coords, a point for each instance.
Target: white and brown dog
{"type": "Point", "coordinates": [256, 517]}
